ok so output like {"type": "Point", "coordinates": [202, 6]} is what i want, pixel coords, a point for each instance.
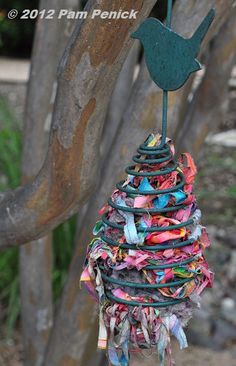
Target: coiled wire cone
{"type": "Point", "coordinates": [155, 175]}
{"type": "Point", "coordinates": [150, 164]}
{"type": "Point", "coordinates": [149, 252]}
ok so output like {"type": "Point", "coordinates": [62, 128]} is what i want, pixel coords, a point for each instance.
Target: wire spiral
{"type": "Point", "coordinates": [147, 156]}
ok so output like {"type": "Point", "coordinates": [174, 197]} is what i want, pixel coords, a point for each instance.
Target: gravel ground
{"type": "Point", "coordinates": [15, 95]}
{"type": "Point", "coordinates": [10, 355]}
{"type": "Point", "coordinates": [192, 356]}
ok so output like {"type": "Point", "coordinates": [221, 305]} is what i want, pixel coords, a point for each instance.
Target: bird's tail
{"type": "Point", "coordinates": [202, 29]}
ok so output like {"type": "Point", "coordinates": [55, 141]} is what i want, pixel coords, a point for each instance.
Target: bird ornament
{"type": "Point", "coordinates": [162, 46]}
{"type": "Point", "coordinates": [146, 266]}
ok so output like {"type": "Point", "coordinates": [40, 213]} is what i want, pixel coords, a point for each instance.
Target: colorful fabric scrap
{"type": "Point", "coordinates": [147, 266]}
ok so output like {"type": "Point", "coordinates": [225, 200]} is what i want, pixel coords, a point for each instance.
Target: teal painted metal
{"type": "Point", "coordinates": [164, 266]}
{"type": "Point", "coordinates": [151, 229]}
{"type": "Point", "coordinates": [162, 304]}
{"type": "Point", "coordinates": [164, 118]}
{"type": "Point", "coordinates": [170, 58]}
{"type": "Point", "coordinates": [170, 245]}
{"type": "Point", "coordinates": [169, 13]}
{"type": "Point", "coordinates": [145, 285]}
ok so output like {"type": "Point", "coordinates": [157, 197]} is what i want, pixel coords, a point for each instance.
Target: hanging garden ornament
{"type": "Point", "coordinates": [146, 265]}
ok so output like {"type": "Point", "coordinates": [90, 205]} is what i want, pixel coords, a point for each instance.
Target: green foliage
{"type": "Point", "coordinates": [10, 151]}
{"type": "Point", "coordinates": [216, 183]}
{"type": "Point", "coordinates": [10, 148]}
{"type": "Point", "coordinates": [232, 192]}
{"type": "Point", "coordinates": [63, 244]}
{"type": "Point", "coordinates": [16, 35]}
{"type": "Point", "coordinates": [63, 236]}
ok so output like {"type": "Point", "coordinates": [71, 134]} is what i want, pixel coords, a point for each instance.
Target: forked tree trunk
{"type": "Point", "coordinates": [67, 176]}
{"type": "Point", "coordinates": [69, 337]}
{"type": "Point", "coordinates": [87, 75]}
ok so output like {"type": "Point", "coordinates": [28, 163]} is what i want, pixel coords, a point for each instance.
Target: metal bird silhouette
{"type": "Point", "coordinates": [170, 58]}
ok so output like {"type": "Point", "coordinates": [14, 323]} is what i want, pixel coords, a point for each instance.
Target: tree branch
{"type": "Point", "coordinates": [119, 99]}
{"type": "Point", "coordinates": [86, 77]}
{"type": "Point", "coordinates": [208, 106]}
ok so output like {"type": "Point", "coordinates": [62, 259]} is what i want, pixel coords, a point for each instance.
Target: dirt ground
{"type": "Point", "coordinates": [10, 355]}
{"type": "Point", "coordinates": [191, 356]}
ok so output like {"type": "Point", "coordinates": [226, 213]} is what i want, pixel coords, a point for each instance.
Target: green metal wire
{"type": "Point", "coordinates": [164, 266]}
{"type": "Point", "coordinates": [150, 155]}
{"type": "Point", "coordinates": [164, 118]}
{"type": "Point", "coordinates": [144, 210]}
{"type": "Point", "coordinates": [153, 192]}
{"type": "Point", "coordinates": [130, 170]}
{"type": "Point", "coordinates": [143, 304]}
{"type": "Point", "coordinates": [145, 285]}
{"type": "Point", "coordinates": [165, 93]}
{"type": "Point", "coordinates": [147, 229]}
{"type": "Point", "coordinates": [169, 13]}
{"type": "Point", "coordinates": [159, 247]}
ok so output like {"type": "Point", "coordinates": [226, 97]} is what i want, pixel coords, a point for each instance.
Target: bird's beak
{"type": "Point", "coordinates": [135, 35]}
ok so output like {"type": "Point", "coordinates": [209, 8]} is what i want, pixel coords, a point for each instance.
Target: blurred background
{"type": "Point", "coordinates": [212, 331]}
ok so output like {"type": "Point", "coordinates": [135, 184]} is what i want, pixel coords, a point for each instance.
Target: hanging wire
{"type": "Point", "coordinates": [165, 93]}
{"type": "Point", "coordinates": [149, 155]}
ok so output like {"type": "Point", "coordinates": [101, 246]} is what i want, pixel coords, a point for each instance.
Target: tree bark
{"type": "Point", "coordinates": [75, 317]}
{"type": "Point", "coordinates": [118, 102]}
{"type": "Point", "coordinates": [209, 104]}
{"type": "Point", "coordinates": [86, 77]}
{"type": "Point", "coordinates": [119, 99]}
{"type": "Point", "coordinates": [192, 12]}
{"type": "Point", "coordinates": [36, 257]}
{"type": "Point", "coordinates": [77, 314]}
{"type": "Point", "coordinates": [187, 15]}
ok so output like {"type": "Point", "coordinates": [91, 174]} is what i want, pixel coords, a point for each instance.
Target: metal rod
{"type": "Point", "coordinates": [164, 117]}
{"type": "Point", "coordinates": [165, 93]}
{"type": "Point", "coordinates": [169, 14]}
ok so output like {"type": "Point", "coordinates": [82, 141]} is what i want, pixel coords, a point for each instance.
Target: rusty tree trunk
{"type": "Point", "coordinates": [69, 336]}
{"type": "Point", "coordinates": [36, 257]}
{"type": "Point", "coordinates": [68, 173]}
